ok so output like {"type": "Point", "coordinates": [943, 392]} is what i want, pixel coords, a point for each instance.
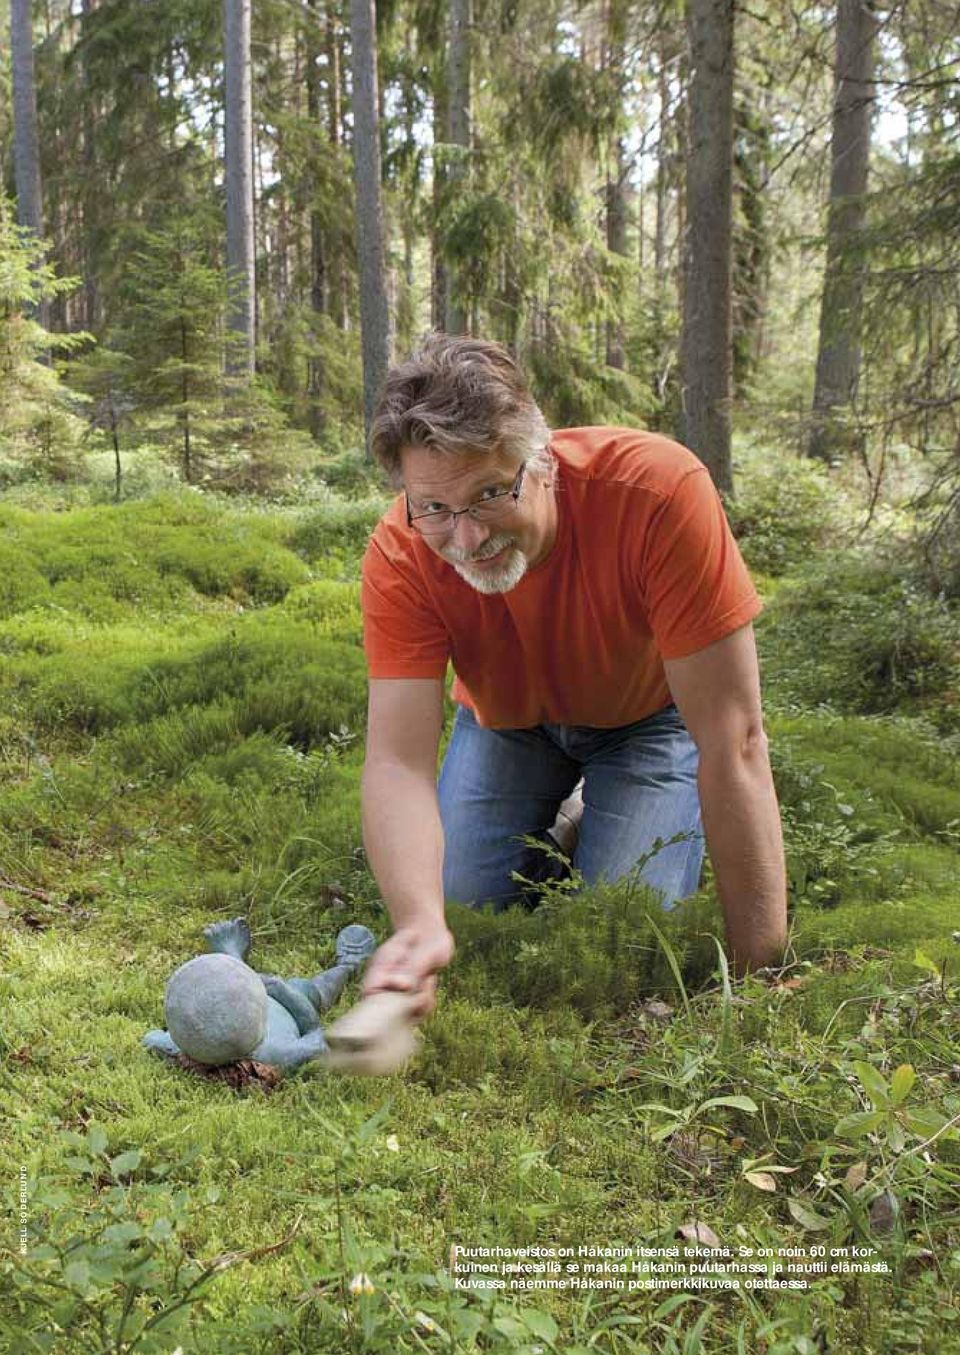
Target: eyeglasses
{"type": "Point", "coordinates": [487, 509]}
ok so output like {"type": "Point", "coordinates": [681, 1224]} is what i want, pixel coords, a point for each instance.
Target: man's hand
{"type": "Point", "coordinates": [409, 962]}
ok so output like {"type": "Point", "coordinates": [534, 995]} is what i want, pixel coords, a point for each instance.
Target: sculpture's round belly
{"type": "Point", "coordinates": [216, 1009]}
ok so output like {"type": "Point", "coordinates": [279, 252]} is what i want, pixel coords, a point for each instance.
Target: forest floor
{"type": "Point", "coordinates": [180, 740]}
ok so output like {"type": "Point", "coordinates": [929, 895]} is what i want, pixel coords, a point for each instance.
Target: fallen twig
{"type": "Point", "coordinates": [26, 891]}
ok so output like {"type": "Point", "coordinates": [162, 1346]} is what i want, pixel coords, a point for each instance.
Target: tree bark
{"type": "Point", "coordinates": [458, 135]}
{"type": "Point", "coordinates": [375, 336]}
{"type": "Point", "coordinates": [705, 349]}
{"type": "Point", "coordinates": [616, 203]}
{"type": "Point", "coordinates": [439, 289]}
{"type": "Point", "coordinates": [238, 149]}
{"type": "Point", "coordinates": [751, 236]}
{"type": "Point", "coordinates": [26, 145]}
{"type": "Point", "coordinates": [838, 350]}
{"type": "Point", "coordinates": [318, 253]}
{"type": "Point", "coordinates": [90, 195]}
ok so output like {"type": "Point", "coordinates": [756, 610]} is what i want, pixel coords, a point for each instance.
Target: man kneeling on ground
{"type": "Point", "coordinates": [587, 589]}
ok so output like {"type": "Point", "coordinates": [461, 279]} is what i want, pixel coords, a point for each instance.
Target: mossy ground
{"type": "Point", "coordinates": [181, 735]}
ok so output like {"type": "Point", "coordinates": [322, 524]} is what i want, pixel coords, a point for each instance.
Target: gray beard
{"type": "Point", "coordinates": [500, 580]}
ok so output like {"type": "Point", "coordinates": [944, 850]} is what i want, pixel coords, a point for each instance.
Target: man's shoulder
{"type": "Point", "coordinates": [635, 457]}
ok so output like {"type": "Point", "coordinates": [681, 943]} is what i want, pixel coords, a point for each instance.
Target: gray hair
{"type": "Point", "coordinates": [460, 396]}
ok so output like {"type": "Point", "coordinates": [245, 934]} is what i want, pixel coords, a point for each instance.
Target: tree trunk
{"type": "Point", "coordinates": [705, 349]}
{"type": "Point", "coordinates": [668, 161]}
{"type": "Point", "coordinates": [90, 196]}
{"type": "Point", "coordinates": [338, 287]}
{"type": "Point", "coordinates": [185, 404]}
{"type": "Point", "coordinates": [616, 195]}
{"type": "Point", "coordinates": [751, 237]}
{"type": "Point", "coordinates": [440, 281]}
{"type": "Point", "coordinates": [238, 148]}
{"type": "Point", "coordinates": [318, 254]}
{"type": "Point", "coordinates": [663, 152]}
{"type": "Point", "coordinates": [838, 350]}
{"type": "Point", "coordinates": [375, 338]}
{"type": "Point", "coordinates": [115, 439]}
{"type": "Point", "coordinates": [458, 135]}
{"type": "Point", "coordinates": [26, 145]}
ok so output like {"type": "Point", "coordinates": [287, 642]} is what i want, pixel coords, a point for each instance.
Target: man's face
{"type": "Point", "coordinates": [491, 556]}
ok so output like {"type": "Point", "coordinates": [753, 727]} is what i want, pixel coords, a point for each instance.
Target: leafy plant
{"type": "Point", "coordinates": [106, 1264]}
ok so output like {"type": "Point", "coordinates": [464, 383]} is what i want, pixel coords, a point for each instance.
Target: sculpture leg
{"type": "Point", "coordinates": [229, 938]}
{"type": "Point", "coordinates": [330, 984]}
{"type": "Point", "coordinates": [299, 1007]}
{"type": "Point", "coordinates": [308, 1047]}
{"type": "Point", "coordinates": [355, 945]}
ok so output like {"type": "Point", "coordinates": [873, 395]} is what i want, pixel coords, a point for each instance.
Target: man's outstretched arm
{"type": "Point", "coordinates": [717, 691]}
{"type": "Point", "coordinates": [402, 833]}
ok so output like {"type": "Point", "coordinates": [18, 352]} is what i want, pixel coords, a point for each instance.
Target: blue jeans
{"type": "Point", "coordinates": [640, 784]}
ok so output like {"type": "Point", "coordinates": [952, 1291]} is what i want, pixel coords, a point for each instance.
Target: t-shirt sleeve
{"type": "Point", "coordinates": [695, 582]}
{"type": "Point", "coordinates": [403, 637]}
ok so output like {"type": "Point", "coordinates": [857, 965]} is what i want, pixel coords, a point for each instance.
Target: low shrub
{"type": "Point", "coordinates": [282, 675]}
{"type": "Point", "coordinates": [22, 585]}
{"type": "Point", "coordinates": [330, 607]}
{"type": "Point", "coordinates": [861, 635]}
{"type": "Point", "coordinates": [338, 532]}
{"type": "Point", "coordinates": [152, 556]}
{"type": "Point", "coordinates": [782, 513]}
{"type": "Point", "coordinates": [594, 952]}
{"type": "Point", "coordinates": [833, 850]}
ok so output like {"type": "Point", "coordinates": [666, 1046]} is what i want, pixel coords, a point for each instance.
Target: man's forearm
{"type": "Point", "coordinates": [741, 820]}
{"type": "Point", "coordinates": [403, 839]}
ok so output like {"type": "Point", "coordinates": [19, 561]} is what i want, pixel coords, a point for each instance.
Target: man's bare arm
{"type": "Point", "coordinates": [717, 691]}
{"type": "Point", "coordinates": [402, 833]}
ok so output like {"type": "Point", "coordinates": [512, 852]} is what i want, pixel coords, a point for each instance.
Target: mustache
{"type": "Point", "coordinates": [457, 556]}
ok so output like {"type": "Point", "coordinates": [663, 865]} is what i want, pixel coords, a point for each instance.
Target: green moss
{"type": "Point", "coordinates": [173, 761]}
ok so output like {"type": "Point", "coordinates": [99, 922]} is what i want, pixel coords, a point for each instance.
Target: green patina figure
{"type": "Point", "coordinates": [219, 1010]}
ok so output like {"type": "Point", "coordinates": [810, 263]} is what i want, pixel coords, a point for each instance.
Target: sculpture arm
{"type": "Point", "coordinates": [160, 1042]}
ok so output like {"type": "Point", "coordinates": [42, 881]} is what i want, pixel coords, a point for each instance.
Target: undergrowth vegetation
{"type": "Point", "coordinates": [181, 734]}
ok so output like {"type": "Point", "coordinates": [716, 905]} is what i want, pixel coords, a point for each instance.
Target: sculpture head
{"type": "Point", "coordinates": [216, 1009]}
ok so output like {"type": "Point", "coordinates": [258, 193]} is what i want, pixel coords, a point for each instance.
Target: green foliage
{"type": "Point", "coordinates": [174, 327]}
{"type": "Point", "coordinates": [861, 634]}
{"type": "Point", "coordinates": [332, 538]}
{"type": "Point", "coordinates": [478, 236]}
{"type": "Point", "coordinates": [570, 102]}
{"type": "Point", "coordinates": [140, 555]}
{"type": "Point", "coordinates": [593, 953]}
{"type": "Point", "coordinates": [833, 849]}
{"type": "Point", "coordinates": [110, 1252]}
{"type": "Point", "coordinates": [41, 432]}
{"type": "Point", "coordinates": [782, 513]}
{"type": "Point", "coordinates": [349, 472]}
{"type": "Point", "coordinates": [574, 393]}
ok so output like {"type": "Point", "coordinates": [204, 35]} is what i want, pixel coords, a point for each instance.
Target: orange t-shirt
{"type": "Point", "coordinates": [644, 568]}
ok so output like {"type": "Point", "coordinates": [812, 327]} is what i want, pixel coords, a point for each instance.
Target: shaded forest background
{"type": "Point", "coordinates": [635, 198]}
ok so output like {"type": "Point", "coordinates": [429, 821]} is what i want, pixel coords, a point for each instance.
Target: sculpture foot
{"type": "Point", "coordinates": [229, 938]}
{"type": "Point", "coordinates": [355, 944]}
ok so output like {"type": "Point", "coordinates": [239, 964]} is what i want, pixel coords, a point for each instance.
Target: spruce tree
{"type": "Point", "coordinates": [41, 431]}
